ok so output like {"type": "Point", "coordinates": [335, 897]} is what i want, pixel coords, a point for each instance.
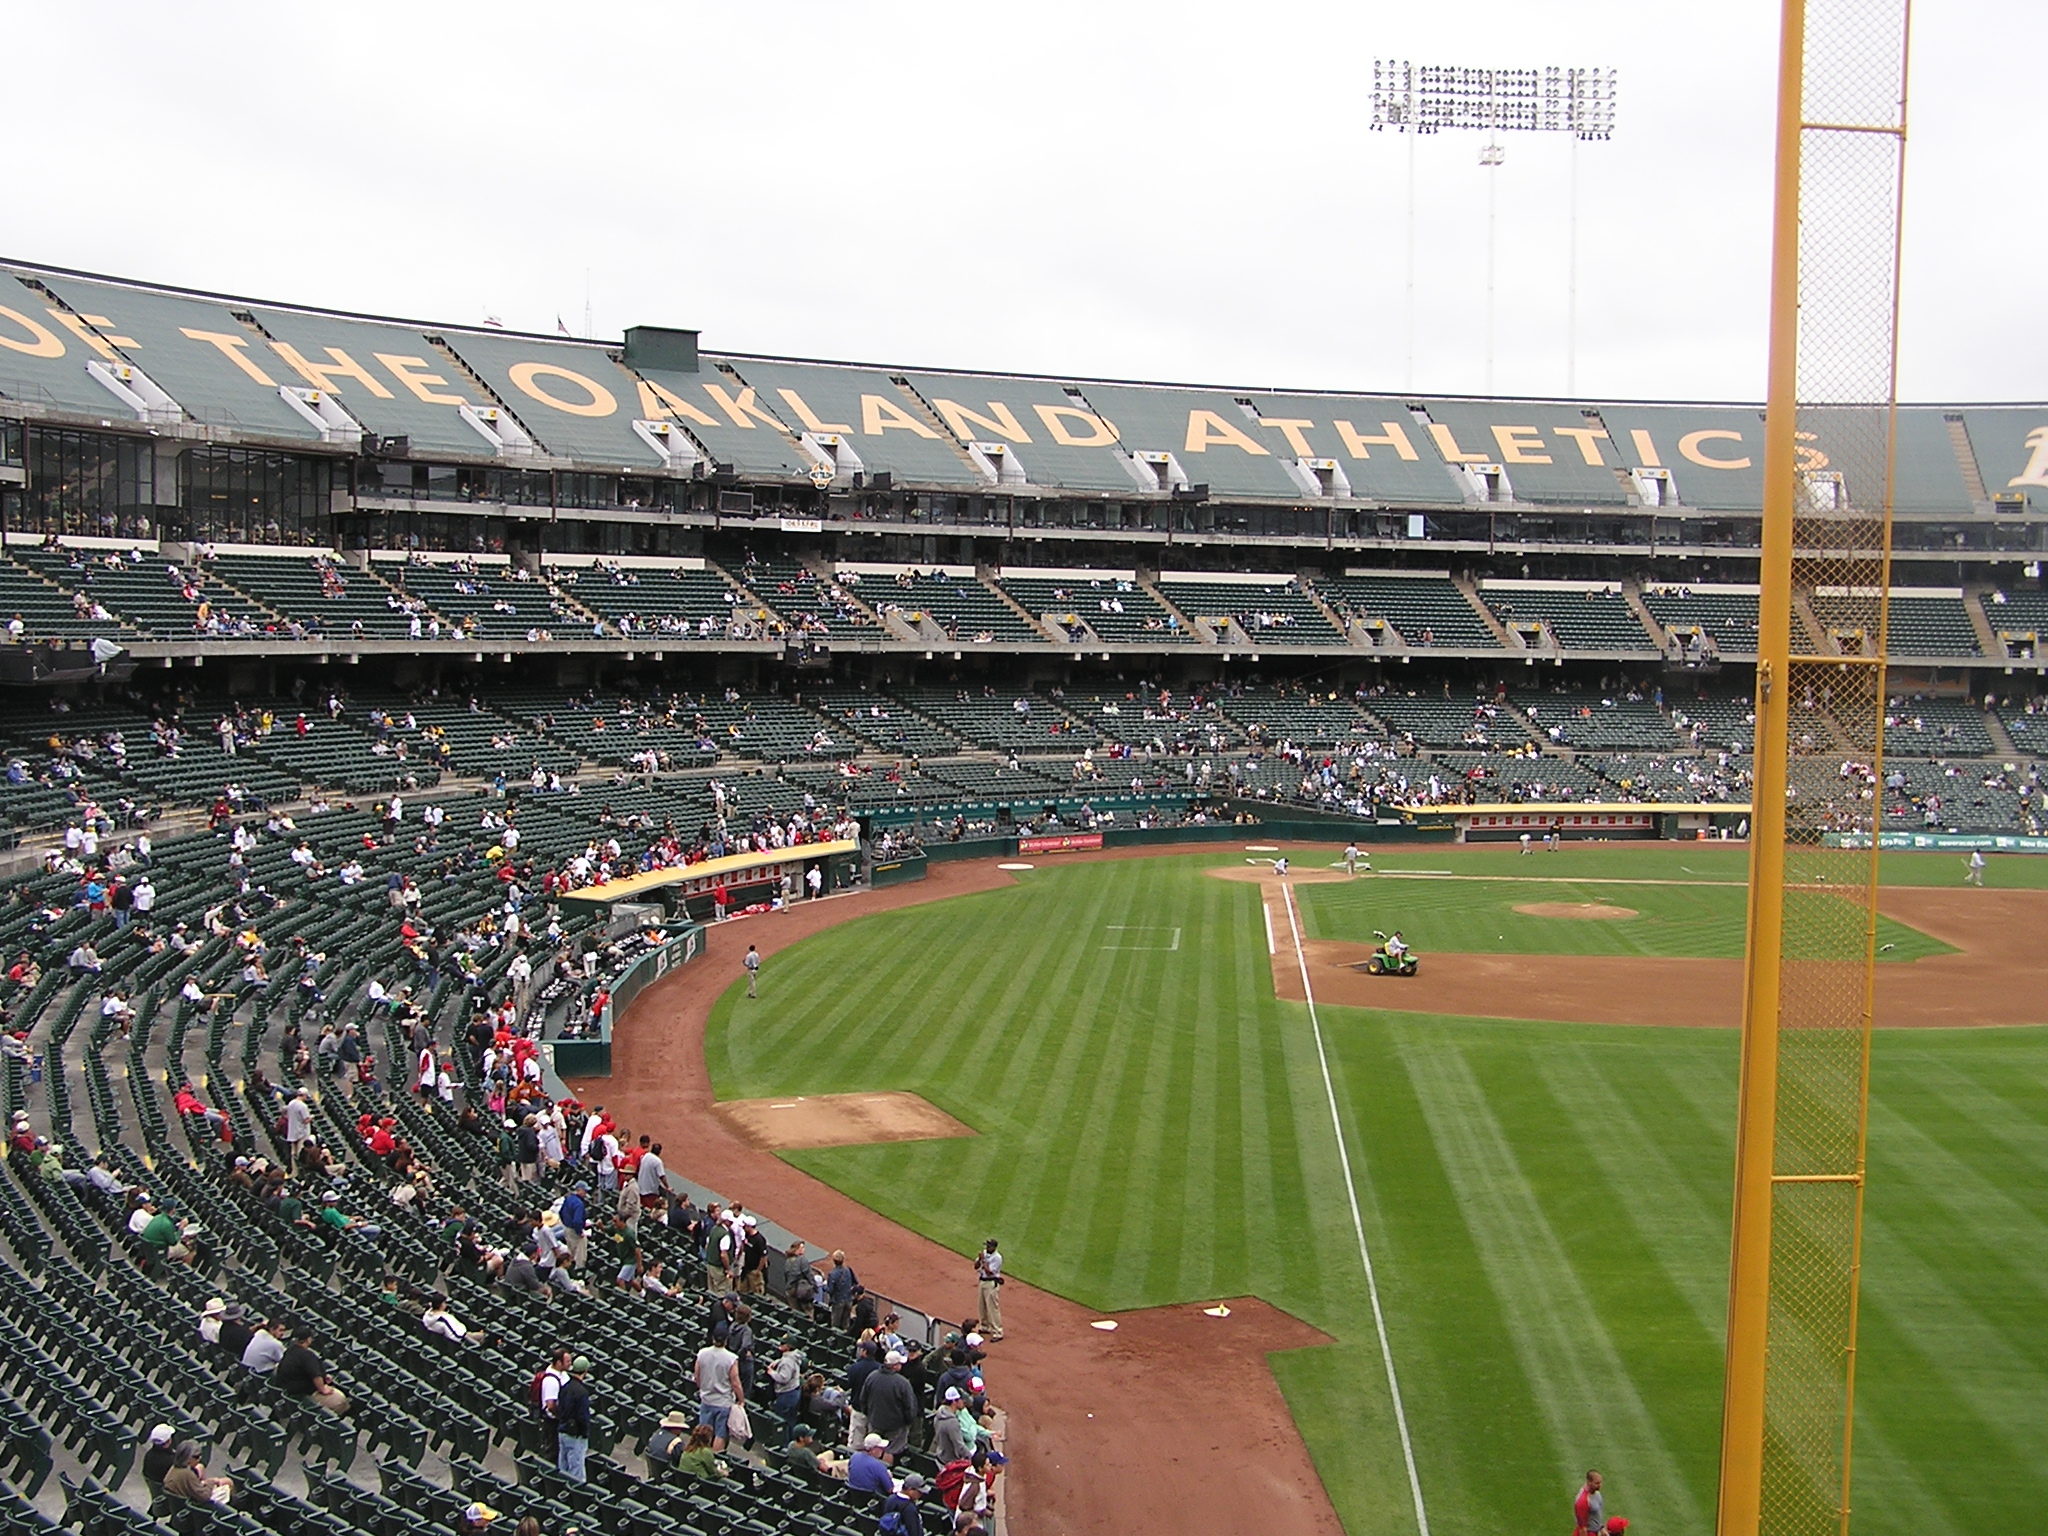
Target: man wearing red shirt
{"type": "Point", "coordinates": [1589, 1509]}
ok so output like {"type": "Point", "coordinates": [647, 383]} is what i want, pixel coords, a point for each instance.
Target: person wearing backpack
{"type": "Point", "coordinates": [900, 1516]}
{"type": "Point", "coordinates": [545, 1395]}
{"type": "Point", "coordinates": [739, 1338]}
{"type": "Point", "coordinates": [976, 1487]}
{"type": "Point", "coordinates": [572, 1421]}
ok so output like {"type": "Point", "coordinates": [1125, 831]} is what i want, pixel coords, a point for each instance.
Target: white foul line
{"type": "Point", "coordinates": [1379, 1320]}
{"type": "Point", "coordinates": [1271, 947]}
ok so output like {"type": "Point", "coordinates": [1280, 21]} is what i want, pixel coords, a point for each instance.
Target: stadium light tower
{"type": "Point", "coordinates": [1416, 99]}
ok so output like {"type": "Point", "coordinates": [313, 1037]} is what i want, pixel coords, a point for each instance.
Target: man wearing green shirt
{"type": "Point", "coordinates": [625, 1251]}
{"type": "Point", "coordinates": [165, 1235]}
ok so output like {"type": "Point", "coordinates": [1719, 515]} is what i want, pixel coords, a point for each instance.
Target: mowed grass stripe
{"type": "Point", "coordinates": [1678, 1230]}
{"type": "Point", "coordinates": [1951, 1198]}
{"type": "Point", "coordinates": [1583, 1389]}
{"type": "Point", "coordinates": [1950, 1327]}
{"type": "Point", "coordinates": [2001, 1111]}
{"type": "Point", "coordinates": [1892, 1497]}
{"type": "Point", "coordinates": [1482, 1448]}
{"type": "Point", "coordinates": [1618, 1263]}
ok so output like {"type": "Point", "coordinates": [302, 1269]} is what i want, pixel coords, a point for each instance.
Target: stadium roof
{"type": "Point", "coordinates": [79, 346]}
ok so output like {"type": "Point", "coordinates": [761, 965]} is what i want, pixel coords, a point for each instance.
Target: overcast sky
{"type": "Point", "coordinates": [1178, 191]}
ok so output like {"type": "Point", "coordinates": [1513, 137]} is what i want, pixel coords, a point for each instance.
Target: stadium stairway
{"type": "Point", "coordinates": [1988, 642]}
{"type": "Point", "coordinates": [1153, 590]}
{"type": "Point", "coordinates": [566, 596]}
{"type": "Point", "coordinates": [1335, 620]}
{"type": "Point", "coordinates": [1632, 594]}
{"type": "Point", "coordinates": [1487, 616]}
{"type": "Point", "coordinates": [2001, 738]}
{"type": "Point", "coordinates": [987, 577]}
{"type": "Point", "coordinates": [1816, 632]}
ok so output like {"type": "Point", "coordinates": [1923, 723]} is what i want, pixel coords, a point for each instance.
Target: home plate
{"type": "Point", "coordinates": [1216, 1311]}
{"type": "Point", "coordinates": [1107, 1325]}
{"type": "Point", "coordinates": [1016, 866]}
{"type": "Point", "coordinates": [1261, 847]}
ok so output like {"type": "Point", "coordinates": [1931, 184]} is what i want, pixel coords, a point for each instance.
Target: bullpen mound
{"type": "Point", "coordinates": [838, 1120]}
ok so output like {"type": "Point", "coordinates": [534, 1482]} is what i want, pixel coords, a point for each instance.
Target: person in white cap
{"type": "Point", "coordinates": [949, 1444]}
{"type": "Point", "coordinates": [867, 1472]}
{"type": "Point", "coordinates": [209, 1318]}
{"type": "Point", "coordinates": [159, 1458]}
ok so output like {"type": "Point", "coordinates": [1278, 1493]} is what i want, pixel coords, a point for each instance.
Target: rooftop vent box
{"type": "Point", "coordinates": [658, 346]}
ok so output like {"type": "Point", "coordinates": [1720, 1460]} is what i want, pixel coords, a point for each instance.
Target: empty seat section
{"type": "Point", "coordinates": [1724, 724]}
{"type": "Point", "coordinates": [1435, 721]}
{"type": "Point", "coordinates": [336, 755]}
{"type": "Point", "coordinates": [478, 741]}
{"type": "Point", "coordinates": [2026, 722]}
{"type": "Point", "coordinates": [1919, 625]}
{"type": "Point", "coordinates": [1424, 610]}
{"type": "Point", "coordinates": [1597, 723]}
{"type": "Point", "coordinates": [321, 592]}
{"type": "Point", "coordinates": [883, 723]}
{"type": "Point", "coordinates": [769, 728]}
{"type": "Point", "coordinates": [1916, 727]}
{"type": "Point", "coordinates": [1307, 719]}
{"type": "Point", "coordinates": [1116, 608]}
{"type": "Point", "coordinates": [965, 609]}
{"type": "Point", "coordinates": [1275, 612]}
{"type": "Point", "coordinates": [2018, 616]}
{"type": "Point", "coordinates": [48, 611]}
{"type": "Point", "coordinates": [1726, 617]}
{"type": "Point", "coordinates": [1583, 619]}
{"type": "Point", "coordinates": [1005, 722]}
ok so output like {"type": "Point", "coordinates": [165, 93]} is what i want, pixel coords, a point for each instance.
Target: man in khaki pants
{"type": "Point", "coordinates": [988, 1265]}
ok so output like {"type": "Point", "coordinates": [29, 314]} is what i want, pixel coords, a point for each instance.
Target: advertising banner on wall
{"type": "Point", "coordinates": [1062, 842]}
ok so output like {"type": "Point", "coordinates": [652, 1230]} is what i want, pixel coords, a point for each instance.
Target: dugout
{"type": "Point", "coordinates": [1595, 822]}
{"type": "Point", "coordinates": [690, 891]}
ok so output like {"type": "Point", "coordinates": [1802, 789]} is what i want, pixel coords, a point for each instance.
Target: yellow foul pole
{"type": "Point", "coordinates": [1749, 1288]}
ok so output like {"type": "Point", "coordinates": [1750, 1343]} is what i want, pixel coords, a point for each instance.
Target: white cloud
{"type": "Point", "coordinates": [1184, 191]}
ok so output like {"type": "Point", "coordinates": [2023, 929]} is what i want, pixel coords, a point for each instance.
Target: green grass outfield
{"type": "Point", "coordinates": [1547, 1203]}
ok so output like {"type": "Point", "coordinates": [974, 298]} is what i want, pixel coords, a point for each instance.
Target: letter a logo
{"type": "Point", "coordinates": [2036, 472]}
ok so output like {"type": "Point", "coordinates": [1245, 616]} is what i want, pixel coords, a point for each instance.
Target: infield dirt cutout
{"type": "Point", "coordinates": [1597, 910]}
{"type": "Point", "coordinates": [838, 1120]}
{"type": "Point", "coordinates": [1992, 977]}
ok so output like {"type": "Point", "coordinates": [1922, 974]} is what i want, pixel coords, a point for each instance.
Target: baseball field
{"type": "Point", "coordinates": [1545, 1200]}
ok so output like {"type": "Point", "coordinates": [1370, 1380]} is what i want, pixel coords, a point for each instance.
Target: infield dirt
{"type": "Point", "coordinates": [1993, 978]}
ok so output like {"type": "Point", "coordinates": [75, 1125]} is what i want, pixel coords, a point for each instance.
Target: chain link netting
{"type": "Point", "coordinates": [1851, 148]}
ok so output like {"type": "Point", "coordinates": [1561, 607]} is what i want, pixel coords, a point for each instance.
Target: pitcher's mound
{"type": "Point", "coordinates": [1593, 909]}
{"type": "Point", "coordinates": [838, 1120]}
